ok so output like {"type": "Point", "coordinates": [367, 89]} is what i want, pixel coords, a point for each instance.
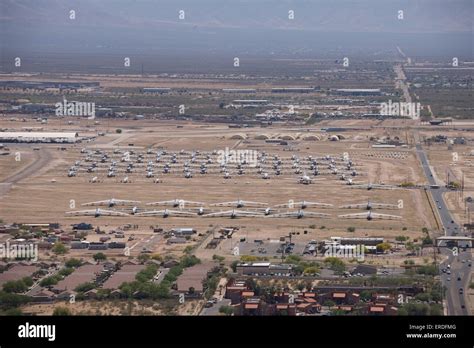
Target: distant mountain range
{"type": "Point", "coordinates": [420, 16]}
{"type": "Point", "coordinates": [244, 27]}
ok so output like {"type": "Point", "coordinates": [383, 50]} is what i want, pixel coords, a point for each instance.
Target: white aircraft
{"type": "Point", "coordinates": [201, 211]}
{"type": "Point", "coordinates": [177, 203]}
{"type": "Point", "coordinates": [299, 214]}
{"type": "Point", "coordinates": [370, 205]}
{"type": "Point", "coordinates": [112, 202]}
{"type": "Point", "coordinates": [234, 214]}
{"type": "Point", "coordinates": [239, 204]}
{"type": "Point", "coordinates": [303, 205]}
{"type": "Point", "coordinates": [305, 180]}
{"type": "Point", "coordinates": [265, 176]}
{"type": "Point", "coordinates": [370, 216]}
{"type": "Point", "coordinates": [126, 180]}
{"type": "Point", "coordinates": [266, 211]}
{"type": "Point", "coordinates": [165, 213]}
{"type": "Point", "coordinates": [371, 186]}
{"type": "Point", "coordinates": [96, 213]}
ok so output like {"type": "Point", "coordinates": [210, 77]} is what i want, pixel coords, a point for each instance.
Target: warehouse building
{"type": "Point", "coordinates": [38, 137]}
{"type": "Point", "coordinates": [292, 90]}
{"type": "Point", "coordinates": [359, 91]}
{"type": "Point", "coordinates": [264, 269]}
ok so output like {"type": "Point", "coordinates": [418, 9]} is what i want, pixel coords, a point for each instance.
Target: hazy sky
{"type": "Point", "coordinates": [258, 27]}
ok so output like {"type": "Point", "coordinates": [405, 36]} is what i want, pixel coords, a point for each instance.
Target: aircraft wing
{"type": "Point", "coordinates": [247, 213]}
{"type": "Point", "coordinates": [225, 204]}
{"type": "Point", "coordinates": [254, 203]}
{"type": "Point", "coordinates": [219, 214]}
{"type": "Point", "coordinates": [81, 213]}
{"type": "Point", "coordinates": [355, 216]}
{"type": "Point", "coordinates": [384, 205]}
{"type": "Point", "coordinates": [193, 203]}
{"type": "Point", "coordinates": [112, 213]}
{"type": "Point", "coordinates": [354, 206]}
{"type": "Point", "coordinates": [284, 215]}
{"type": "Point", "coordinates": [125, 202]}
{"type": "Point", "coordinates": [104, 202]}
{"type": "Point", "coordinates": [162, 203]}
{"type": "Point", "coordinates": [316, 204]}
{"type": "Point", "coordinates": [385, 216]}
{"type": "Point", "coordinates": [310, 213]}
{"type": "Point", "coordinates": [151, 213]}
{"type": "Point", "coordinates": [181, 212]}
{"type": "Point", "coordinates": [284, 205]}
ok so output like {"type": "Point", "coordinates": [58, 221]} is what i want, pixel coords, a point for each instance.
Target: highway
{"type": "Point", "coordinates": [455, 302]}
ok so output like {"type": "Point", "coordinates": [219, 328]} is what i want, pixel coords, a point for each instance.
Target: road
{"type": "Point", "coordinates": [401, 82]}
{"type": "Point", "coordinates": [455, 302]}
{"type": "Point", "coordinates": [42, 158]}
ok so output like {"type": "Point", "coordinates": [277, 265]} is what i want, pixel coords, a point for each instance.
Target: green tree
{"type": "Point", "coordinates": [218, 258]}
{"type": "Point", "coordinates": [143, 258]}
{"type": "Point", "coordinates": [189, 261]}
{"type": "Point", "coordinates": [15, 286]}
{"type": "Point", "coordinates": [49, 281]}
{"type": "Point", "coordinates": [99, 257]}
{"type": "Point", "coordinates": [59, 248]}
{"type": "Point", "coordinates": [383, 247]}
{"type": "Point", "coordinates": [61, 311]}
{"type": "Point", "coordinates": [226, 310]}
{"type": "Point", "coordinates": [73, 263]}
{"type": "Point", "coordinates": [335, 264]}
{"type": "Point", "coordinates": [311, 270]}
{"type": "Point", "coordinates": [233, 266]}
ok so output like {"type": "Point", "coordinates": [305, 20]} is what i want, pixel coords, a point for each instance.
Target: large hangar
{"type": "Point", "coordinates": [38, 137]}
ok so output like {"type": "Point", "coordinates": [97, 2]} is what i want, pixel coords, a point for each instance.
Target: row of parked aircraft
{"type": "Point", "coordinates": [234, 213]}
{"type": "Point", "coordinates": [259, 209]}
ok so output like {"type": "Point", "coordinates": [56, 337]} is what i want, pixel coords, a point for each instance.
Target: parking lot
{"type": "Point", "coordinates": [271, 248]}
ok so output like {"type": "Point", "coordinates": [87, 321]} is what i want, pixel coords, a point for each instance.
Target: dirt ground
{"type": "Point", "coordinates": [46, 194]}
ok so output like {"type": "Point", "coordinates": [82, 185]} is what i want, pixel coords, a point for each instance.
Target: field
{"type": "Point", "coordinates": [44, 195]}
